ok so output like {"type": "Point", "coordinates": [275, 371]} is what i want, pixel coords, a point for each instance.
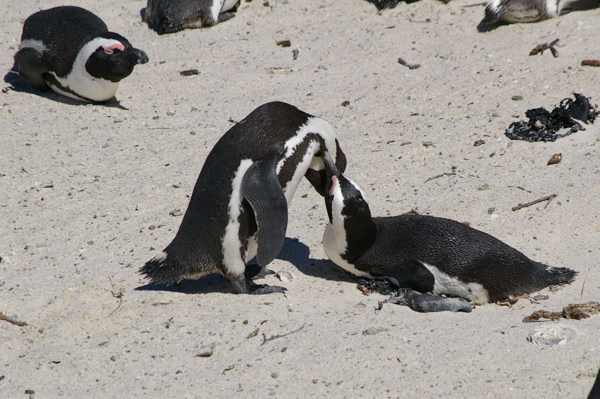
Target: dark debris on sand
{"type": "Point", "coordinates": [544, 125]}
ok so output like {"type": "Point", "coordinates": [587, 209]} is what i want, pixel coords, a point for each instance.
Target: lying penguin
{"type": "Point", "coordinates": [426, 253]}
{"type": "Point", "coordinates": [71, 51]}
{"type": "Point", "coordinates": [514, 11]}
{"type": "Point", "coordinates": [239, 205]}
{"type": "Point", "coordinates": [169, 16]}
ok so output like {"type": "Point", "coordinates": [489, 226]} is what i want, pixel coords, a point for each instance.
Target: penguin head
{"type": "Point", "coordinates": [317, 174]}
{"type": "Point", "coordinates": [344, 199]}
{"type": "Point", "coordinates": [114, 58]}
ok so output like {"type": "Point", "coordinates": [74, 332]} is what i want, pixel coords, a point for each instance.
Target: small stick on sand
{"type": "Point", "coordinates": [118, 295]}
{"type": "Point", "coordinates": [441, 175]}
{"type": "Point", "coordinates": [12, 319]}
{"type": "Point", "coordinates": [537, 201]}
{"type": "Point", "coordinates": [583, 284]}
{"type": "Point", "coordinates": [410, 66]}
{"type": "Point", "coordinates": [265, 339]}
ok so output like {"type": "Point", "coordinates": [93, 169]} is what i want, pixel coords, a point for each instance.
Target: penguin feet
{"type": "Point", "coordinates": [266, 289]}
{"type": "Point", "coordinates": [243, 286]}
{"type": "Point", "coordinates": [425, 303]}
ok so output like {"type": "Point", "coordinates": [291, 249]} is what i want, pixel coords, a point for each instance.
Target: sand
{"type": "Point", "coordinates": [86, 193]}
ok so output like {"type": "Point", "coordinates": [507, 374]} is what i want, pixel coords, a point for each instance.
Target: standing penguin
{"type": "Point", "coordinates": [169, 16]}
{"type": "Point", "coordinates": [239, 205]}
{"type": "Point", "coordinates": [426, 253]}
{"type": "Point", "coordinates": [70, 50]}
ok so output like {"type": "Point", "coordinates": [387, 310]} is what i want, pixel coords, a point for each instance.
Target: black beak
{"type": "Point", "coordinates": [135, 56]}
{"type": "Point", "coordinates": [330, 171]}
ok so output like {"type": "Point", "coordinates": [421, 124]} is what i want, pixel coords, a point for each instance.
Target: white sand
{"type": "Point", "coordinates": [112, 173]}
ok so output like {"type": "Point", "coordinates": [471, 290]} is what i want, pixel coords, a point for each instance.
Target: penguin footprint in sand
{"type": "Point", "coordinates": [426, 253]}
{"type": "Point", "coordinates": [238, 208]}
{"type": "Point", "coordinates": [169, 16]}
{"type": "Point", "coordinates": [71, 51]}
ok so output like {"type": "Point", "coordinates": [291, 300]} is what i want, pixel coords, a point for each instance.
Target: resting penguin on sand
{"type": "Point", "coordinates": [169, 16]}
{"type": "Point", "coordinates": [515, 11]}
{"type": "Point", "coordinates": [239, 205]}
{"type": "Point", "coordinates": [71, 51]}
{"type": "Point", "coordinates": [425, 253]}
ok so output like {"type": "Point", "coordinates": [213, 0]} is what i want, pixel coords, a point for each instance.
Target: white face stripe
{"type": "Point", "coordinates": [230, 243]}
{"type": "Point", "coordinates": [81, 82]}
{"type": "Point", "coordinates": [301, 168]}
{"type": "Point", "coordinates": [36, 44]}
{"type": "Point", "coordinates": [444, 284]}
{"type": "Point", "coordinates": [312, 125]}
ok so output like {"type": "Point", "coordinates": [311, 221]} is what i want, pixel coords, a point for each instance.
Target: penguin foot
{"type": "Point", "coordinates": [243, 286]}
{"type": "Point", "coordinates": [266, 289]}
{"type": "Point", "coordinates": [425, 303]}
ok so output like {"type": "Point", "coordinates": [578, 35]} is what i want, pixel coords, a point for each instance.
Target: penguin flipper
{"type": "Point", "coordinates": [408, 274]}
{"type": "Point", "coordinates": [261, 188]}
{"type": "Point", "coordinates": [31, 67]}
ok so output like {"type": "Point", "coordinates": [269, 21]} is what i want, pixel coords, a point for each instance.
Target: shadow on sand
{"type": "Point", "coordinates": [293, 251]}
{"type": "Point", "coordinates": [19, 85]}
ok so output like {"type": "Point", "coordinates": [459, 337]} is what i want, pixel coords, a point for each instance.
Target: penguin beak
{"type": "Point", "coordinates": [135, 56]}
{"type": "Point", "coordinates": [330, 168]}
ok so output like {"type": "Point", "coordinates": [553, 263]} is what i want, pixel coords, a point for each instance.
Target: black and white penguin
{"type": "Point", "coordinates": [239, 205]}
{"type": "Point", "coordinates": [70, 50]}
{"type": "Point", "coordinates": [515, 11]}
{"type": "Point", "coordinates": [169, 16]}
{"type": "Point", "coordinates": [426, 253]}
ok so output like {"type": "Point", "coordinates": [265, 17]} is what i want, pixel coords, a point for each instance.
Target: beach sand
{"type": "Point", "coordinates": [86, 193]}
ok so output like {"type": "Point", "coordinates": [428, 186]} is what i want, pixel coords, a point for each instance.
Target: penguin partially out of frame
{"type": "Point", "coordinates": [70, 50]}
{"type": "Point", "coordinates": [239, 205]}
{"type": "Point", "coordinates": [426, 253]}
{"type": "Point", "coordinates": [515, 11]}
{"type": "Point", "coordinates": [169, 16]}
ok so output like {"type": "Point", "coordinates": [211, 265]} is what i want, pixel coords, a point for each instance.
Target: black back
{"type": "Point", "coordinates": [64, 31]}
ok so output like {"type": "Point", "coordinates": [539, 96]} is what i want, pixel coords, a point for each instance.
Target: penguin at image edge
{"type": "Point", "coordinates": [239, 206]}
{"type": "Point", "coordinates": [169, 16]}
{"type": "Point", "coordinates": [70, 50]}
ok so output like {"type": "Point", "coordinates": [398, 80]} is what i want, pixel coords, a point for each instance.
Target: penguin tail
{"type": "Point", "coordinates": [559, 275]}
{"type": "Point", "coordinates": [162, 269]}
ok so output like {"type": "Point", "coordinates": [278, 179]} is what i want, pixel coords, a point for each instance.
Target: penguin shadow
{"type": "Point", "coordinates": [298, 254]}
{"type": "Point", "coordinates": [19, 85]}
{"type": "Point", "coordinates": [293, 251]}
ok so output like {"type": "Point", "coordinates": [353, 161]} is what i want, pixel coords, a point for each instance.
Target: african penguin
{"type": "Point", "coordinates": [426, 253]}
{"type": "Point", "coordinates": [169, 16]}
{"type": "Point", "coordinates": [514, 11]}
{"type": "Point", "coordinates": [239, 205]}
{"type": "Point", "coordinates": [71, 51]}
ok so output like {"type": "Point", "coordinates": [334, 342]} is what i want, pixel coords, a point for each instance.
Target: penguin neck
{"type": "Point", "coordinates": [348, 237]}
{"type": "Point", "coordinates": [360, 233]}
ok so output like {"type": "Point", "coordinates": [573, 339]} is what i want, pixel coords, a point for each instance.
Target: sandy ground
{"type": "Point", "coordinates": [86, 192]}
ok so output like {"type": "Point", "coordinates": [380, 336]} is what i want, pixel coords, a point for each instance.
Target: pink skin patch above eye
{"type": "Point", "coordinates": [334, 181]}
{"type": "Point", "coordinates": [111, 49]}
